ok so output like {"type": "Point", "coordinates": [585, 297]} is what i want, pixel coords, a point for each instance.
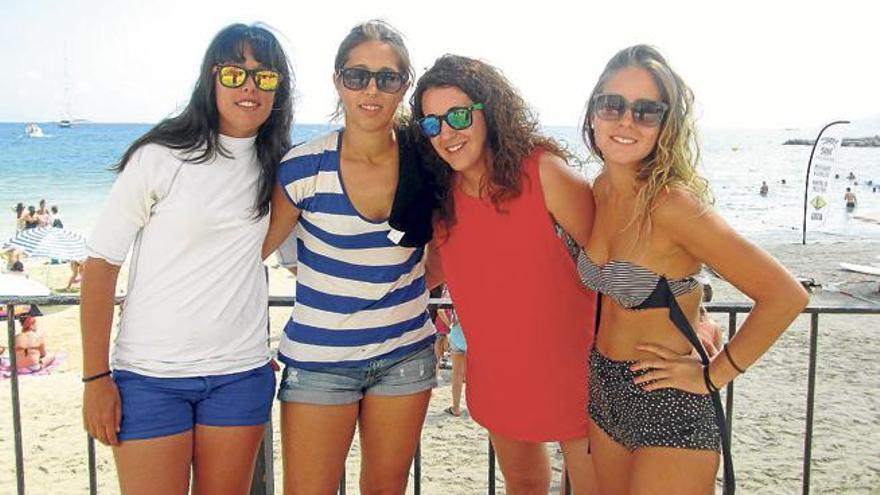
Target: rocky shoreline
{"type": "Point", "coordinates": [862, 142]}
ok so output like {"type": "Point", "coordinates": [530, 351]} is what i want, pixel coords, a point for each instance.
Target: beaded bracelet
{"type": "Point", "coordinates": [709, 385]}
{"type": "Point", "coordinates": [732, 363]}
{"type": "Point", "coordinates": [95, 377]}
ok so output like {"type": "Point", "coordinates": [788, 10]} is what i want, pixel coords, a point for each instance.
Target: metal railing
{"type": "Point", "coordinates": [263, 483]}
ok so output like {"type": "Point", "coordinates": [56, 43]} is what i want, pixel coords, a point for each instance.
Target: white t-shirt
{"type": "Point", "coordinates": [197, 296]}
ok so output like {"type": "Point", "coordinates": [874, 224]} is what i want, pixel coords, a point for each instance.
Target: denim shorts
{"type": "Point", "coordinates": [402, 375]}
{"type": "Point", "coordinates": [157, 407]}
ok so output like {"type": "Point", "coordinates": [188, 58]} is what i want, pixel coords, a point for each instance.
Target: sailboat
{"type": "Point", "coordinates": [66, 123]}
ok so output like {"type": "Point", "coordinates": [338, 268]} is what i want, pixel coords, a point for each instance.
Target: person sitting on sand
{"type": "Point", "coordinates": [42, 215]}
{"type": "Point", "coordinates": [19, 217]}
{"type": "Point", "coordinates": [55, 218]}
{"type": "Point", "coordinates": [17, 268]}
{"type": "Point", "coordinates": [30, 218]}
{"type": "Point", "coordinates": [12, 256]}
{"type": "Point", "coordinates": [30, 346]}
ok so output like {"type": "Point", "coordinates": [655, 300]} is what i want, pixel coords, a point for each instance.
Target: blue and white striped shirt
{"type": "Point", "coordinates": [359, 295]}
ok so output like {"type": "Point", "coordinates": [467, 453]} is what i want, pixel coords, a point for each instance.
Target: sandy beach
{"type": "Point", "coordinates": [769, 407]}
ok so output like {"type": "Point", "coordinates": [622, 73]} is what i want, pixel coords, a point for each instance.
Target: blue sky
{"type": "Point", "coordinates": [751, 64]}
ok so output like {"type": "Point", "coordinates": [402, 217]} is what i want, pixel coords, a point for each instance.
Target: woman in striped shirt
{"type": "Point", "coordinates": [358, 347]}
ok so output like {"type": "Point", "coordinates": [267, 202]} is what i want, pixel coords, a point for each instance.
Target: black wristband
{"type": "Point", "coordinates": [709, 385]}
{"type": "Point", "coordinates": [732, 362]}
{"type": "Point", "coordinates": [95, 377]}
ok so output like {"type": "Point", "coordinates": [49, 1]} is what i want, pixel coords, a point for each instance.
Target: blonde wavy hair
{"type": "Point", "coordinates": [672, 164]}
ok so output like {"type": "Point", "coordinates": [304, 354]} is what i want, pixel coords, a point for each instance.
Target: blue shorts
{"type": "Point", "coordinates": [157, 407]}
{"type": "Point", "coordinates": [403, 375]}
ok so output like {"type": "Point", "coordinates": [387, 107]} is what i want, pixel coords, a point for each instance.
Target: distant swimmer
{"type": "Point", "coordinates": [850, 198]}
{"type": "Point", "coordinates": [782, 182]}
{"type": "Point", "coordinates": [764, 188]}
{"type": "Point", "coordinates": [851, 176]}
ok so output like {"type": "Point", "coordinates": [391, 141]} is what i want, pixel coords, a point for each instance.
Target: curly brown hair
{"type": "Point", "coordinates": [513, 131]}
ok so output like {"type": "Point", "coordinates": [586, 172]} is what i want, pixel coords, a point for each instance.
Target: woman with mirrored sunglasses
{"type": "Point", "coordinates": [506, 193]}
{"type": "Point", "coordinates": [358, 349]}
{"type": "Point", "coordinates": [656, 423]}
{"type": "Point", "coordinates": [191, 385]}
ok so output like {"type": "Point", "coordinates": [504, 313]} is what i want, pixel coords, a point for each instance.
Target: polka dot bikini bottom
{"type": "Point", "coordinates": [635, 418]}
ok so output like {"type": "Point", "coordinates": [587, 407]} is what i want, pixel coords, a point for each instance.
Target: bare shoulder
{"type": "Point", "coordinates": [674, 206]}
{"type": "Point", "coordinates": [557, 173]}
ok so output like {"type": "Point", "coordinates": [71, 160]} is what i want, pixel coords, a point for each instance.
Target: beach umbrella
{"type": "Point", "coordinates": [49, 242]}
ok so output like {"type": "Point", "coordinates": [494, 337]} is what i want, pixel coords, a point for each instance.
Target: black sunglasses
{"type": "Point", "coordinates": [646, 113]}
{"type": "Point", "coordinates": [457, 118]}
{"type": "Point", "coordinates": [233, 76]}
{"type": "Point", "coordinates": [356, 79]}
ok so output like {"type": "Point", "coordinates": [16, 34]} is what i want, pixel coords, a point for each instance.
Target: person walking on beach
{"type": "Point", "coordinates": [189, 385]}
{"type": "Point", "coordinates": [655, 414]}
{"type": "Point", "coordinates": [458, 353]}
{"type": "Point", "coordinates": [504, 190]}
{"type": "Point", "coordinates": [850, 199]}
{"type": "Point", "coordinates": [765, 189]}
{"type": "Point", "coordinates": [442, 318]}
{"type": "Point", "coordinates": [358, 349]}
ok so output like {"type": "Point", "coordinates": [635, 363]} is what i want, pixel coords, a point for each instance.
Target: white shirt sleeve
{"type": "Point", "coordinates": [131, 199]}
{"type": "Point", "coordinates": [286, 252]}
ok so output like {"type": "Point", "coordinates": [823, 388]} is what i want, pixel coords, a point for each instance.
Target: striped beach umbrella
{"type": "Point", "coordinates": [49, 242]}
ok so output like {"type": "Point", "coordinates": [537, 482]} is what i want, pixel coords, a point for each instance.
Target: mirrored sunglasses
{"type": "Point", "coordinates": [233, 76]}
{"type": "Point", "coordinates": [457, 118]}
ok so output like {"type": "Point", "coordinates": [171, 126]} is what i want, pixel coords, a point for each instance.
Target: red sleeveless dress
{"type": "Point", "coordinates": [527, 318]}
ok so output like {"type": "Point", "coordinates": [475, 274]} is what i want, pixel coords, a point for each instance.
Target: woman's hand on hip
{"type": "Point", "coordinates": [668, 369]}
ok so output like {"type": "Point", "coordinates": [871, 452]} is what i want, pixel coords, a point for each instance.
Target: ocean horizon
{"type": "Point", "coordinates": [70, 167]}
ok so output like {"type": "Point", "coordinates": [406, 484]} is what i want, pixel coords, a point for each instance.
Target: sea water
{"type": "Point", "coordinates": [70, 167]}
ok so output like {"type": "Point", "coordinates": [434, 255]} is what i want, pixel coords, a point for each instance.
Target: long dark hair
{"type": "Point", "coordinates": [513, 131]}
{"type": "Point", "coordinates": [195, 129]}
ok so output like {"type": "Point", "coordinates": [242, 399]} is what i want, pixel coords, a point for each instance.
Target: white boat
{"type": "Point", "coordinates": [34, 131]}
